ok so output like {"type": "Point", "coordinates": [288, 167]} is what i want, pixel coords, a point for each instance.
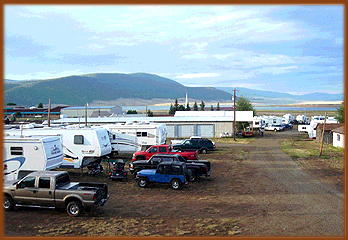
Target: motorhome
{"type": "Point", "coordinates": [272, 120]}
{"type": "Point", "coordinates": [258, 122]}
{"type": "Point", "coordinates": [23, 155]}
{"type": "Point", "coordinates": [81, 146]}
{"type": "Point", "coordinates": [289, 118]}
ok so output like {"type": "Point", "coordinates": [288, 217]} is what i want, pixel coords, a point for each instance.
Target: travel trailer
{"type": "Point", "coordinates": [81, 146]}
{"type": "Point", "coordinates": [272, 120]}
{"type": "Point", "coordinates": [135, 136]}
{"type": "Point", "coordinates": [289, 118]}
{"type": "Point", "coordinates": [23, 155]}
{"type": "Point", "coordinates": [258, 122]}
{"type": "Point", "coordinates": [302, 119]}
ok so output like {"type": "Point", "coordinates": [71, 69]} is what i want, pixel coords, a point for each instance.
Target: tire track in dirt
{"type": "Point", "coordinates": [294, 202]}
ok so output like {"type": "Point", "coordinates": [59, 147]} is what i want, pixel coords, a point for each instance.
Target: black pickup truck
{"type": "Point", "coordinates": [197, 167]}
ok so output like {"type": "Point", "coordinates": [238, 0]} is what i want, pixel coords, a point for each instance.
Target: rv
{"type": "Point", "coordinates": [135, 136]}
{"type": "Point", "coordinates": [23, 155]}
{"type": "Point", "coordinates": [81, 146]}
{"type": "Point", "coordinates": [269, 120]}
{"type": "Point", "coordinates": [258, 122]}
{"type": "Point", "coordinates": [289, 118]}
{"type": "Point", "coordinates": [302, 119]}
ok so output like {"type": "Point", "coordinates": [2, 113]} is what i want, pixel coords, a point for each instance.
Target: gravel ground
{"type": "Point", "coordinates": [255, 190]}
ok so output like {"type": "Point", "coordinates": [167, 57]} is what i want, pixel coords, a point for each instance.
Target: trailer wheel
{"type": "Point", "coordinates": [8, 203]}
{"type": "Point", "coordinates": [74, 208]}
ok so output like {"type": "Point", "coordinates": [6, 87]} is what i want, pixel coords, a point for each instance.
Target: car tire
{"type": "Point", "coordinates": [8, 203]}
{"type": "Point", "coordinates": [136, 172]}
{"type": "Point", "coordinates": [175, 184]}
{"type": "Point", "coordinates": [193, 176]}
{"type": "Point", "coordinates": [74, 208]}
{"type": "Point", "coordinates": [275, 130]}
{"type": "Point", "coordinates": [143, 182]}
{"type": "Point", "coordinates": [204, 151]}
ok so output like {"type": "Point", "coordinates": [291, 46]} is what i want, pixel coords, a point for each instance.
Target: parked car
{"type": "Point", "coordinates": [54, 189]}
{"type": "Point", "coordinates": [164, 149]}
{"type": "Point", "coordinates": [273, 127]}
{"type": "Point", "coordinates": [197, 168]}
{"type": "Point", "coordinates": [174, 173]}
{"type": "Point", "coordinates": [203, 145]}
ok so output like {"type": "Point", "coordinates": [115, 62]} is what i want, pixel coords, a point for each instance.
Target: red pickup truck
{"type": "Point", "coordinates": [163, 149]}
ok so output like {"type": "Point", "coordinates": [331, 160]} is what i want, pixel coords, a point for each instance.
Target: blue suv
{"type": "Point", "coordinates": [174, 173]}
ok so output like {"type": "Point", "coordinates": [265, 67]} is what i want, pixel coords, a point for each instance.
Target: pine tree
{"type": "Point", "coordinates": [188, 107]}
{"type": "Point", "coordinates": [195, 107]}
{"type": "Point", "coordinates": [211, 108]}
{"type": "Point", "coordinates": [202, 105]}
{"type": "Point", "coordinates": [218, 107]}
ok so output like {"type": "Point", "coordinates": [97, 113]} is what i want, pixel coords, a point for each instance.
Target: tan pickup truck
{"type": "Point", "coordinates": [54, 189]}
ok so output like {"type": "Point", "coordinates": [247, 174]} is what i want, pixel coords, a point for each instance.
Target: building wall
{"type": "Point", "coordinates": [80, 112]}
{"type": "Point", "coordinates": [204, 129]}
{"type": "Point", "coordinates": [338, 140]}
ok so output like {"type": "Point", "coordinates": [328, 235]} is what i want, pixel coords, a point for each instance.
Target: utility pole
{"type": "Point", "coordinates": [86, 114]}
{"type": "Point", "coordinates": [234, 114]}
{"type": "Point", "coordinates": [49, 113]}
{"type": "Point", "coordinates": [322, 136]}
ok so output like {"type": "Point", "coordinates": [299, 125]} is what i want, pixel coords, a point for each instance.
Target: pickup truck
{"type": "Point", "coordinates": [174, 173]}
{"type": "Point", "coordinates": [203, 145]}
{"type": "Point", "coordinates": [197, 168]}
{"type": "Point", "coordinates": [165, 149]}
{"type": "Point", "coordinates": [54, 189]}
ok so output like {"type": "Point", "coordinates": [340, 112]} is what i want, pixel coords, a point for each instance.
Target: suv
{"type": "Point", "coordinates": [203, 145]}
{"type": "Point", "coordinates": [174, 173]}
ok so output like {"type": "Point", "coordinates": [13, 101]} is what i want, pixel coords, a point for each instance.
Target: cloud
{"type": "Point", "coordinates": [198, 75]}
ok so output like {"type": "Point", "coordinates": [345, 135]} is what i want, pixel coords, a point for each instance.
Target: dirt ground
{"type": "Point", "coordinates": [255, 190]}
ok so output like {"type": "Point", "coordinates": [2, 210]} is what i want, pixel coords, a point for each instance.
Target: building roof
{"type": "Point", "coordinates": [89, 107]}
{"type": "Point", "coordinates": [338, 130]}
{"type": "Point", "coordinates": [329, 126]}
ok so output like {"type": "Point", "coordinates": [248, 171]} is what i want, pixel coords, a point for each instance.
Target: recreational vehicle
{"type": "Point", "coordinates": [23, 155]}
{"type": "Point", "coordinates": [272, 120]}
{"type": "Point", "coordinates": [258, 122]}
{"type": "Point", "coordinates": [302, 119]}
{"type": "Point", "coordinates": [134, 136]}
{"type": "Point", "coordinates": [289, 118]}
{"type": "Point", "coordinates": [81, 146]}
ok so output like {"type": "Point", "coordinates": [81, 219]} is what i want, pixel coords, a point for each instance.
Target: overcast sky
{"type": "Point", "coordinates": [286, 48]}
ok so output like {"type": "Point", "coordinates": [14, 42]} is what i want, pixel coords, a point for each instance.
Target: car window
{"type": "Point", "coordinates": [44, 182]}
{"type": "Point", "coordinates": [175, 169]}
{"type": "Point", "coordinates": [28, 182]}
{"type": "Point", "coordinates": [154, 149]}
{"type": "Point", "coordinates": [167, 159]}
{"type": "Point", "coordinates": [156, 160]}
{"type": "Point", "coordinates": [162, 149]}
{"type": "Point", "coordinates": [181, 159]}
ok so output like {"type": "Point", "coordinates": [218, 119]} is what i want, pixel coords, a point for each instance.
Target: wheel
{"type": "Point", "coordinates": [175, 184]}
{"type": "Point", "coordinates": [74, 208]}
{"type": "Point", "coordinates": [193, 176]}
{"type": "Point", "coordinates": [136, 172]}
{"type": "Point", "coordinates": [8, 203]}
{"type": "Point", "coordinates": [142, 182]}
{"type": "Point", "coordinates": [204, 151]}
{"type": "Point", "coordinates": [275, 130]}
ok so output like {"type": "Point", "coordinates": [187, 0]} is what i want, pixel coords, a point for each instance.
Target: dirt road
{"type": "Point", "coordinates": [255, 190]}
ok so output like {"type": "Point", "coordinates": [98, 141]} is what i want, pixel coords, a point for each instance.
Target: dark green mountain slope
{"type": "Point", "coordinates": [78, 90]}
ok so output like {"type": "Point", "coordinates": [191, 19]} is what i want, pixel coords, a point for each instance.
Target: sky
{"type": "Point", "coordinates": [295, 49]}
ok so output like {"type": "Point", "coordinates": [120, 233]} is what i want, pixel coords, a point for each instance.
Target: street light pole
{"type": "Point", "coordinates": [234, 114]}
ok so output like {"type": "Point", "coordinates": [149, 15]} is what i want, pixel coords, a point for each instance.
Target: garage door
{"type": "Point", "coordinates": [171, 132]}
{"type": "Point", "coordinates": [185, 131]}
{"type": "Point", "coordinates": [206, 131]}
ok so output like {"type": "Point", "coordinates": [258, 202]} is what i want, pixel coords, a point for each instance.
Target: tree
{"type": "Point", "coordinates": [17, 115]}
{"type": "Point", "coordinates": [11, 104]}
{"type": "Point", "coordinates": [340, 113]}
{"type": "Point", "coordinates": [149, 113]}
{"type": "Point", "coordinates": [195, 107]}
{"type": "Point", "coordinates": [181, 108]}
{"type": "Point", "coordinates": [211, 108]}
{"type": "Point", "coordinates": [202, 105]}
{"type": "Point", "coordinates": [243, 104]}
{"type": "Point", "coordinates": [176, 104]}
{"type": "Point", "coordinates": [132, 112]}
{"type": "Point", "coordinates": [218, 107]}
{"type": "Point", "coordinates": [40, 105]}
{"type": "Point", "coordinates": [172, 109]}
{"type": "Point", "coordinates": [188, 107]}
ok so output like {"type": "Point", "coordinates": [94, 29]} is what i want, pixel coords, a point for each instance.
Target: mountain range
{"type": "Point", "coordinates": [79, 90]}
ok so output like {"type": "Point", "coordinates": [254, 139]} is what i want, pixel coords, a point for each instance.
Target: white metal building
{"type": "Point", "coordinates": [92, 111]}
{"type": "Point", "coordinates": [184, 124]}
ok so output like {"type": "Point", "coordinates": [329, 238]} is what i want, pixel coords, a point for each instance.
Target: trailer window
{"type": "Point", "coordinates": [44, 182]}
{"type": "Point", "coordinates": [78, 139]}
{"type": "Point", "coordinates": [16, 150]}
{"type": "Point", "coordinates": [141, 134]}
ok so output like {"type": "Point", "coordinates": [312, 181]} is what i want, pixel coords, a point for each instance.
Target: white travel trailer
{"type": "Point", "coordinates": [134, 136]}
{"type": "Point", "coordinates": [81, 146]}
{"type": "Point", "coordinates": [258, 122]}
{"type": "Point", "coordinates": [289, 118]}
{"type": "Point", "coordinates": [320, 119]}
{"type": "Point", "coordinates": [302, 119]}
{"type": "Point", "coordinates": [272, 120]}
{"type": "Point", "coordinates": [23, 155]}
